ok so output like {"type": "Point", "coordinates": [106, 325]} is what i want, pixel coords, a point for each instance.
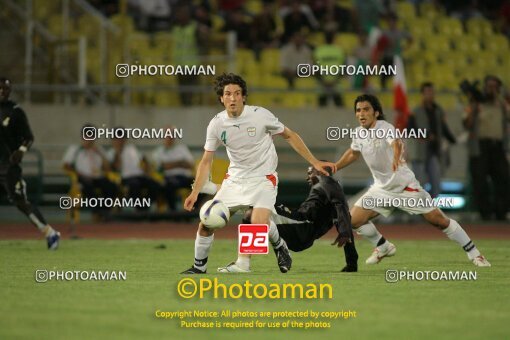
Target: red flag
{"type": "Point", "coordinates": [400, 95]}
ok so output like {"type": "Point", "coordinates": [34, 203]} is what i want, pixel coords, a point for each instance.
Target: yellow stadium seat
{"type": "Point", "coordinates": [218, 170]}
{"type": "Point", "coordinates": [163, 40]}
{"type": "Point", "coordinates": [138, 41]}
{"type": "Point", "coordinates": [123, 22]}
{"type": "Point", "coordinates": [467, 44]}
{"type": "Point", "coordinates": [429, 11]}
{"type": "Point", "coordinates": [316, 39]}
{"type": "Point", "coordinates": [274, 82]}
{"type": "Point", "coordinates": [450, 27]}
{"type": "Point", "coordinates": [55, 24]}
{"type": "Point", "coordinates": [347, 41]}
{"type": "Point", "coordinates": [439, 44]}
{"type": "Point", "coordinates": [270, 61]}
{"type": "Point", "coordinates": [420, 27]}
{"type": "Point", "coordinates": [405, 10]}
{"type": "Point", "coordinates": [217, 22]}
{"type": "Point", "coordinates": [479, 27]}
{"type": "Point", "coordinates": [496, 43]}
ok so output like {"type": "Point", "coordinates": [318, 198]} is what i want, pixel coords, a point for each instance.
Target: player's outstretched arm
{"type": "Point", "coordinates": [347, 158]}
{"type": "Point", "coordinates": [203, 169]}
{"type": "Point", "coordinates": [300, 147]}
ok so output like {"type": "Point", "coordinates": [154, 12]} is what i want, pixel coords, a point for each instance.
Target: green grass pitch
{"type": "Point", "coordinates": [125, 309]}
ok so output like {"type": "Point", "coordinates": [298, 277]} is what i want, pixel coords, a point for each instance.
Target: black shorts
{"type": "Point", "coordinates": [13, 183]}
{"type": "Point", "coordinates": [299, 236]}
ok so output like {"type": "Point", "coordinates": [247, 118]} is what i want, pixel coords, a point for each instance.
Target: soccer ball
{"type": "Point", "coordinates": [214, 214]}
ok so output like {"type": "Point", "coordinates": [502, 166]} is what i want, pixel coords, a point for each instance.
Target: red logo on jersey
{"type": "Point", "coordinates": [253, 239]}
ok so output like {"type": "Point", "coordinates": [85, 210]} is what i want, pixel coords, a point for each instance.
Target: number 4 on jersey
{"type": "Point", "coordinates": [224, 137]}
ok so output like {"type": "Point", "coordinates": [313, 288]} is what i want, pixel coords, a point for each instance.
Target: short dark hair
{"type": "Point", "coordinates": [426, 84]}
{"type": "Point", "coordinates": [373, 100]}
{"type": "Point", "coordinates": [225, 79]}
{"type": "Point", "coordinates": [492, 77]}
{"type": "Point", "coordinates": [6, 81]}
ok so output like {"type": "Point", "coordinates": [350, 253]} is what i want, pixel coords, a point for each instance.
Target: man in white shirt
{"type": "Point", "coordinates": [176, 163]}
{"type": "Point", "coordinates": [393, 181]}
{"type": "Point", "coordinates": [90, 164]}
{"type": "Point", "coordinates": [128, 161]}
{"type": "Point", "coordinates": [295, 52]}
{"type": "Point", "coordinates": [247, 133]}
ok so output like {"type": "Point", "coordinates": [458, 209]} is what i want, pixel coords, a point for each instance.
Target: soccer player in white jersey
{"type": "Point", "coordinates": [392, 180]}
{"type": "Point", "coordinates": [247, 133]}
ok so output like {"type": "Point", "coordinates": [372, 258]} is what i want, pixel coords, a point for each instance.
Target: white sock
{"type": "Point", "coordinates": [370, 232]}
{"type": "Point", "coordinates": [202, 246]}
{"type": "Point", "coordinates": [459, 235]}
{"type": "Point", "coordinates": [243, 261]}
{"type": "Point", "coordinates": [46, 229]}
{"type": "Point", "coordinates": [274, 236]}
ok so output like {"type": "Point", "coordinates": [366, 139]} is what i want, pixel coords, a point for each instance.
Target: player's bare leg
{"type": "Point", "coordinates": [360, 219]}
{"type": "Point", "coordinates": [456, 233]}
{"type": "Point", "coordinates": [262, 216]}
{"type": "Point", "coordinates": [203, 244]}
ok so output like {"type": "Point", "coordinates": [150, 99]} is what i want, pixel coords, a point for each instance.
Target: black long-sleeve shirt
{"type": "Point", "coordinates": [14, 130]}
{"type": "Point", "coordinates": [325, 205]}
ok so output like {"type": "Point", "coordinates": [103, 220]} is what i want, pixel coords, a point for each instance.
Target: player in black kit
{"type": "Point", "coordinates": [15, 139]}
{"type": "Point", "coordinates": [324, 208]}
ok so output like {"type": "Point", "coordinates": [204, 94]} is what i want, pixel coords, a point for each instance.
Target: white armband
{"type": "Point", "coordinates": [23, 148]}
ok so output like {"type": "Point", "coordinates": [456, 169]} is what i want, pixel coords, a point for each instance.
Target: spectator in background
{"type": "Point", "coordinates": [486, 120]}
{"type": "Point", "coordinates": [329, 54]}
{"type": "Point", "coordinates": [263, 30]}
{"type": "Point", "coordinates": [237, 22]}
{"type": "Point", "coordinates": [187, 36]}
{"type": "Point", "coordinates": [132, 166]}
{"type": "Point", "coordinates": [202, 15]}
{"type": "Point", "coordinates": [391, 44]}
{"type": "Point", "coordinates": [428, 156]}
{"type": "Point", "coordinates": [151, 15]}
{"type": "Point", "coordinates": [363, 55]}
{"type": "Point", "coordinates": [91, 166]}
{"type": "Point", "coordinates": [297, 17]}
{"type": "Point", "coordinates": [292, 54]}
{"type": "Point", "coordinates": [176, 163]}
{"type": "Point", "coordinates": [469, 10]}
{"type": "Point", "coordinates": [332, 17]}
{"type": "Point", "coordinates": [367, 14]}
{"type": "Point", "coordinates": [503, 18]}
{"type": "Point", "coordinates": [230, 5]}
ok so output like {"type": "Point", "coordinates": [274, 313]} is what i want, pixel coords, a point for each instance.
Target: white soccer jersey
{"type": "Point", "coordinates": [248, 140]}
{"type": "Point", "coordinates": [130, 161]}
{"type": "Point", "coordinates": [87, 162]}
{"type": "Point", "coordinates": [175, 153]}
{"type": "Point", "coordinates": [378, 154]}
